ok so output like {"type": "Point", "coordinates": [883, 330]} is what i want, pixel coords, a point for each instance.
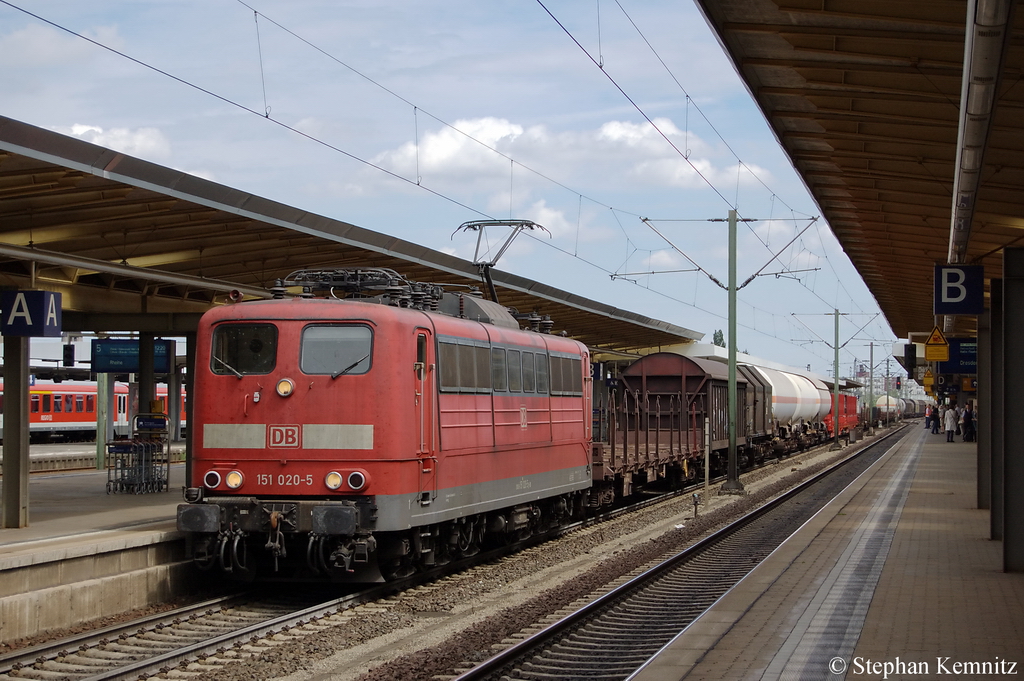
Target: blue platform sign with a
{"type": "Point", "coordinates": [959, 289]}
{"type": "Point", "coordinates": [30, 313]}
{"type": "Point", "coordinates": [113, 355]}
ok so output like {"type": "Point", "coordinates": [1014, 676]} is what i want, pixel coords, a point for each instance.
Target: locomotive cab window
{"type": "Point", "coordinates": [240, 349]}
{"type": "Point", "coordinates": [336, 350]}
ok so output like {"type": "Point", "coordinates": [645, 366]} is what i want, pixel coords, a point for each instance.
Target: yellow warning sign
{"type": "Point", "coordinates": [936, 338]}
{"type": "Point", "coordinates": [936, 349]}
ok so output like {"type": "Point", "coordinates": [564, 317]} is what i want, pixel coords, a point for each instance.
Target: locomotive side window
{"type": "Point", "coordinates": [464, 368]}
{"type": "Point", "coordinates": [482, 360]}
{"type": "Point", "coordinates": [90, 403]}
{"type": "Point", "coordinates": [448, 359]}
{"type": "Point", "coordinates": [529, 379]}
{"type": "Point", "coordinates": [46, 403]}
{"type": "Point", "coordinates": [542, 373]}
{"type": "Point", "coordinates": [336, 350]}
{"type": "Point", "coordinates": [79, 402]}
{"type": "Point", "coordinates": [499, 377]}
{"type": "Point", "coordinates": [58, 404]}
{"type": "Point", "coordinates": [473, 376]}
{"type": "Point", "coordinates": [244, 349]}
{"type": "Point", "coordinates": [515, 372]}
{"type": "Point", "coordinates": [566, 378]}
{"type": "Point", "coordinates": [34, 404]}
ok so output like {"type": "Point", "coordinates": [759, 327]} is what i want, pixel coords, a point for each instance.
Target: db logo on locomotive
{"type": "Point", "coordinates": [283, 436]}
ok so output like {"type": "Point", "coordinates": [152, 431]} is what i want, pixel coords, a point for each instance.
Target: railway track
{"type": "Point", "coordinates": [612, 636]}
{"type": "Point", "coordinates": [157, 643]}
{"type": "Point", "coordinates": [208, 635]}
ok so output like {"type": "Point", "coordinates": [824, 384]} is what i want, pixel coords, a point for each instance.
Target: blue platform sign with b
{"type": "Point", "coordinates": [959, 289]}
{"type": "Point", "coordinates": [30, 313]}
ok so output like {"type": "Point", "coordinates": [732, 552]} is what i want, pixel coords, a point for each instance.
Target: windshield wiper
{"type": "Point", "coordinates": [350, 367]}
{"type": "Point", "coordinates": [232, 369]}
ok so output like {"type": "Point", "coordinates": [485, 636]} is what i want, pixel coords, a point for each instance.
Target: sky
{"type": "Point", "coordinates": [619, 126]}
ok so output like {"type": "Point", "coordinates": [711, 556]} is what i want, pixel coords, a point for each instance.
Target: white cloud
{"type": "Point", "coordinates": [36, 46]}
{"type": "Point", "coordinates": [147, 143]}
{"type": "Point", "coordinates": [475, 157]}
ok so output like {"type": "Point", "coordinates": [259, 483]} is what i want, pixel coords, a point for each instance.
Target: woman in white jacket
{"type": "Point", "coordinates": [949, 419]}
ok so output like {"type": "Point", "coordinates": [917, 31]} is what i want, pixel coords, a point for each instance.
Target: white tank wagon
{"type": "Point", "coordinates": [889, 405]}
{"type": "Point", "coordinates": [799, 405]}
{"type": "Point", "coordinates": [796, 399]}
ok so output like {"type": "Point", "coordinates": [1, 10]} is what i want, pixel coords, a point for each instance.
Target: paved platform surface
{"type": "Point", "coordinates": [75, 504]}
{"type": "Point", "coordinates": [895, 579]}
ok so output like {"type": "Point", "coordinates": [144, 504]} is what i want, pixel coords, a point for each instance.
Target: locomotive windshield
{"type": "Point", "coordinates": [240, 349]}
{"type": "Point", "coordinates": [336, 350]}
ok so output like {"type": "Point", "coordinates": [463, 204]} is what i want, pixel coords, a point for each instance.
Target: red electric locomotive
{"type": "Point", "coordinates": [386, 428]}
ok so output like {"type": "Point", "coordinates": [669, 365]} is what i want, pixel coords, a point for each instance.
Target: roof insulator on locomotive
{"type": "Point", "coordinates": [547, 324]}
{"type": "Point", "coordinates": [278, 290]}
{"type": "Point", "coordinates": [535, 320]}
{"type": "Point", "coordinates": [307, 292]}
{"type": "Point", "coordinates": [397, 294]}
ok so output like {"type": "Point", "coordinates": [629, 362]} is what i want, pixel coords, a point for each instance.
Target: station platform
{"type": "Point", "coordinates": [87, 554]}
{"type": "Point", "coordinates": [895, 579]}
{"type": "Point", "coordinates": [73, 503]}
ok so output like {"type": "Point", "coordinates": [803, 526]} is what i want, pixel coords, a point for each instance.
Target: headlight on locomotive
{"type": "Point", "coordinates": [285, 387]}
{"type": "Point", "coordinates": [212, 479]}
{"type": "Point", "coordinates": [356, 480]}
{"type": "Point", "coordinates": [234, 479]}
{"type": "Point", "coordinates": [333, 480]}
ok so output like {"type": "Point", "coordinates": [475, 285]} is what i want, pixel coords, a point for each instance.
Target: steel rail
{"type": "Point", "coordinates": [500, 663]}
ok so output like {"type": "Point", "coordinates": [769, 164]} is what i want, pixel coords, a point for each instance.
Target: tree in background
{"type": "Point", "coordinates": [719, 338]}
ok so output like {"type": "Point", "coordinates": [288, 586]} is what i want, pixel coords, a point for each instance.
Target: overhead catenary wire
{"type": "Point", "coordinates": [267, 114]}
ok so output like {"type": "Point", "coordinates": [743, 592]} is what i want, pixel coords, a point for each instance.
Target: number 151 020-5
{"type": "Point", "coordinates": [284, 479]}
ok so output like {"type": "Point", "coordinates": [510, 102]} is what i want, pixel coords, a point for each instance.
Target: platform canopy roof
{"type": "Point", "coordinates": [865, 98]}
{"type": "Point", "coordinates": [119, 236]}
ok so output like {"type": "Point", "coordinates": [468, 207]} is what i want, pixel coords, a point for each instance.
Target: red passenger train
{"type": "Point", "coordinates": [66, 411]}
{"type": "Point", "coordinates": [365, 438]}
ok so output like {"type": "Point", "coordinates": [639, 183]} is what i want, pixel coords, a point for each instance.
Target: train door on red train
{"type": "Point", "coordinates": [425, 370]}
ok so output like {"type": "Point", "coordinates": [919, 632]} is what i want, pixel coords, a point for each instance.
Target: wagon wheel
{"type": "Point", "coordinates": [468, 543]}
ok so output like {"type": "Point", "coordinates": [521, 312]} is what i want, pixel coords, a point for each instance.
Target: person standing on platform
{"type": "Point", "coordinates": [936, 417]}
{"type": "Point", "coordinates": [950, 418]}
{"type": "Point", "coordinates": [968, 423]}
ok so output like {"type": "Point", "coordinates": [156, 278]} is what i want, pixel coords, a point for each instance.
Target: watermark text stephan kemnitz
{"type": "Point", "coordinates": [940, 665]}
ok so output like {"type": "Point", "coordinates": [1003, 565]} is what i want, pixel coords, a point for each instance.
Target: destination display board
{"type": "Point", "coordinates": [121, 355]}
{"type": "Point", "coordinates": [963, 357]}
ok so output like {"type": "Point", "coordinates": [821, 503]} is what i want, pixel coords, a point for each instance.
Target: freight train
{"type": "Point", "coordinates": [391, 426]}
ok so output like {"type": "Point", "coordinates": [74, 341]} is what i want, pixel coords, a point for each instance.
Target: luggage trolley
{"type": "Point", "coordinates": [143, 463]}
